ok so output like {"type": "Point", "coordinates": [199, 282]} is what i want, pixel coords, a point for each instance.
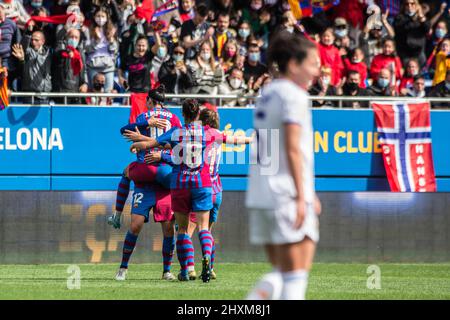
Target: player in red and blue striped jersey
{"type": "Point", "coordinates": [152, 184]}
{"type": "Point", "coordinates": [191, 187]}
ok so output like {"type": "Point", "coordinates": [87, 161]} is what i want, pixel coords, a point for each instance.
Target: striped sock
{"type": "Point", "coordinates": [206, 240]}
{"type": "Point", "coordinates": [213, 254]}
{"type": "Point", "coordinates": [122, 193]}
{"type": "Point", "coordinates": [167, 252]}
{"type": "Point", "coordinates": [128, 247]}
{"type": "Point", "coordinates": [185, 252]}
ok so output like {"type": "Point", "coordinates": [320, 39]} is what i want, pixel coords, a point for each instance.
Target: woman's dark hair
{"type": "Point", "coordinates": [190, 109]}
{"type": "Point", "coordinates": [157, 94]}
{"type": "Point", "coordinates": [286, 46]}
{"type": "Point", "coordinates": [210, 118]}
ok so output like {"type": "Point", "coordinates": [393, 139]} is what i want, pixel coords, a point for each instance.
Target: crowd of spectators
{"type": "Point", "coordinates": [219, 47]}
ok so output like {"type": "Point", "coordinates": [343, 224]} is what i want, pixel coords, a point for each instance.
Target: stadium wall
{"type": "Point", "coordinates": [80, 148]}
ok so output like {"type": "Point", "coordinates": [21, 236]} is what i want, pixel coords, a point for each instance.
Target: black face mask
{"type": "Point", "coordinates": [352, 86]}
{"type": "Point", "coordinates": [98, 86]}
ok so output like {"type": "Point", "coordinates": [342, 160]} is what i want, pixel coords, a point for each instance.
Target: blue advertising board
{"type": "Point", "coordinates": [80, 147]}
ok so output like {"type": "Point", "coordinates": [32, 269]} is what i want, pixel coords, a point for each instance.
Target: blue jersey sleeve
{"type": "Point", "coordinates": [167, 137]}
{"type": "Point", "coordinates": [141, 123]}
{"type": "Point", "coordinates": [166, 156]}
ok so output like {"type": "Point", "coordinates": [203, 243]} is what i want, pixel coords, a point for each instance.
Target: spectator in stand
{"type": "Point", "coordinates": [372, 36]}
{"type": "Point", "coordinates": [138, 66]}
{"type": "Point", "coordinates": [393, 6]}
{"type": "Point", "coordinates": [98, 86]}
{"type": "Point", "coordinates": [243, 35]}
{"type": "Point", "coordinates": [68, 67]}
{"type": "Point", "coordinates": [15, 11]}
{"type": "Point", "coordinates": [33, 5]}
{"type": "Point", "coordinates": [175, 75]}
{"type": "Point", "coordinates": [222, 33]}
{"type": "Point", "coordinates": [353, 12]}
{"type": "Point", "coordinates": [441, 90]}
{"type": "Point", "coordinates": [437, 16]}
{"type": "Point", "coordinates": [412, 70]}
{"type": "Point", "coordinates": [234, 85]}
{"type": "Point", "coordinates": [382, 85]}
{"type": "Point", "coordinates": [90, 8]}
{"type": "Point", "coordinates": [439, 34]}
{"type": "Point", "coordinates": [10, 35]}
{"type": "Point", "coordinates": [411, 29]}
{"type": "Point", "coordinates": [330, 55]}
{"type": "Point", "coordinates": [257, 17]}
{"type": "Point", "coordinates": [127, 8]}
{"type": "Point", "coordinates": [131, 31]}
{"type": "Point", "coordinates": [442, 62]}
{"type": "Point", "coordinates": [226, 6]}
{"type": "Point", "coordinates": [162, 55]}
{"type": "Point", "coordinates": [195, 31]}
{"type": "Point", "coordinates": [253, 68]}
{"type": "Point", "coordinates": [229, 55]}
{"type": "Point", "coordinates": [46, 28]}
{"type": "Point", "coordinates": [254, 85]}
{"type": "Point", "coordinates": [35, 61]}
{"type": "Point", "coordinates": [388, 59]}
{"type": "Point", "coordinates": [208, 74]}
{"type": "Point", "coordinates": [323, 88]}
{"type": "Point", "coordinates": [186, 10]}
{"type": "Point", "coordinates": [350, 87]}
{"type": "Point", "coordinates": [355, 62]}
{"type": "Point", "coordinates": [418, 88]}
{"type": "Point", "coordinates": [102, 48]}
{"type": "Point", "coordinates": [342, 39]}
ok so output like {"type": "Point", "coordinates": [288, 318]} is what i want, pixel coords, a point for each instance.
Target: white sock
{"type": "Point", "coordinates": [190, 268]}
{"type": "Point", "coordinates": [268, 288]}
{"type": "Point", "coordinates": [294, 285]}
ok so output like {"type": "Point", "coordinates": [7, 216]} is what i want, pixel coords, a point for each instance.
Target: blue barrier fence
{"type": "Point", "coordinates": [80, 148]}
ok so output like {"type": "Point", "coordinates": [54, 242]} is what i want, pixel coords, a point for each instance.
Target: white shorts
{"type": "Point", "coordinates": [275, 226]}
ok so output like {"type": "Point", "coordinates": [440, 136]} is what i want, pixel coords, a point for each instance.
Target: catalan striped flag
{"type": "Point", "coordinates": [4, 96]}
{"type": "Point", "coordinates": [308, 8]}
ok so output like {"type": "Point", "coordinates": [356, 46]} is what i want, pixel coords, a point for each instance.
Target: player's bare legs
{"type": "Point", "coordinates": [168, 230]}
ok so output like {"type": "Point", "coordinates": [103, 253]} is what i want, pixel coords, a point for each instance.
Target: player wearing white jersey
{"type": "Point", "coordinates": [281, 199]}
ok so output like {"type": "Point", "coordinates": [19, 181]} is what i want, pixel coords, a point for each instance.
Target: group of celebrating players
{"type": "Point", "coordinates": [176, 174]}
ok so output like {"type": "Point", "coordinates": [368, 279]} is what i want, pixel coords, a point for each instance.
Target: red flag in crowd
{"type": "Point", "coordinates": [138, 105]}
{"type": "Point", "coordinates": [404, 131]}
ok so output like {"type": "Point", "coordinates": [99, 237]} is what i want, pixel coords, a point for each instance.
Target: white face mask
{"type": "Point", "coordinates": [326, 81]}
{"type": "Point", "coordinates": [100, 21]}
{"type": "Point", "coordinates": [235, 83]}
{"type": "Point", "coordinates": [205, 56]}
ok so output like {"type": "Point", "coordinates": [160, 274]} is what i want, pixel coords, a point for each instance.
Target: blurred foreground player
{"type": "Point", "coordinates": [281, 199]}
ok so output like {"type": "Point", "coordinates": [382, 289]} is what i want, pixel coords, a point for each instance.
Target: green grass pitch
{"type": "Point", "coordinates": [327, 281]}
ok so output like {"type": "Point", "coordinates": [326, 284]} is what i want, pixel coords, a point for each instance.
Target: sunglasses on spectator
{"type": "Point", "coordinates": [178, 52]}
{"type": "Point", "coordinates": [341, 27]}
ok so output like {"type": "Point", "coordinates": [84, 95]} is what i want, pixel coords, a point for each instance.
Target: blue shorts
{"type": "Point", "coordinates": [217, 201]}
{"type": "Point", "coordinates": [163, 175]}
{"type": "Point", "coordinates": [191, 200]}
{"type": "Point", "coordinates": [144, 198]}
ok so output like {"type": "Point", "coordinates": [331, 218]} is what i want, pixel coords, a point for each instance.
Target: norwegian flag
{"type": "Point", "coordinates": [404, 131]}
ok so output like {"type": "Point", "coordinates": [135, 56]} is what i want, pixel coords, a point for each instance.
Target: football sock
{"type": "Point", "coordinates": [206, 241]}
{"type": "Point", "coordinates": [185, 252]}
{"type": "Point", "coordinates": [128, 247]}
{"type": "Point", "coordinates": [268, 288]}
{"type": "Point", "coordinates": [122, 193]}
{"type": "Point", "coordinates": [213, 254]}
{"type": "Point", "coordinates": [167, 252]}
{"type": "Point", "coordinates": [294, 285]}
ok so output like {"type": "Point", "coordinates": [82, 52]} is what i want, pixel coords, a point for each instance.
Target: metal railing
{"type": "Point", "coordinates": [219, 99]}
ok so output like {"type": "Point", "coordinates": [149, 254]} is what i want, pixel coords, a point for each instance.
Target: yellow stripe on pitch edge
{"type": "Point", "coordinates": [295, 8]}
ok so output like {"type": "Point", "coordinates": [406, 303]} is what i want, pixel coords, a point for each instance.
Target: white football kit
{"type": "Point", "coordinates": [271, 190]}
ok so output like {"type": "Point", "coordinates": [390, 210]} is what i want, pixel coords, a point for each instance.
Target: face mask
{"type": "Point", "coordinates": [206, 56]}
{"type": "Point", "coordinates": [447, 85]}
{"type": "Point", "coordinates": [254, 56]}
{"type": "Point", "coordinates": [100, 21]}
{"type": "Point", "coordinates": [414, 73]}
{"type": "Point", "coordinates": [235, 83]}
{"type": "Point", "coordinates": [411, 13]}
{"type": "Point", "coordinates": [270, 2]}
{"type": "Point", "coordinates": [244, 33]}
{"type": "Point", "coordinates": [356, 60]}
{"type": "Point", "coordinates": [162, 51]}
{"type": "Point", "coordinates": [178, 57]}
{"type": "Point", "coordinates": [326, 81]}
{"type": "Point", "coordinates": [231, 53]}
{"type": "Point", "coordinates": [171, 29]}
{"type": "Point", "coordinates": [72, 42]}
{"type": "Point", "coordinates": [383, 83]}
{"type": "Point", "coordinates": [290, 29]}
{"type": "Point", "coordinates": [98, 86]}
{"type": "Point", "coordinates": [36, 4]}
{"type": "Point", "coordinates": [352, 86]}
{"type": "Point", "coordinates": [341, 32]}
{"type": "Point", "coordinates": [255, 6]}
{"type": "Point", "coordinates": [440, 33]}
{"type": "Point", "coordinates": [420, 94]}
